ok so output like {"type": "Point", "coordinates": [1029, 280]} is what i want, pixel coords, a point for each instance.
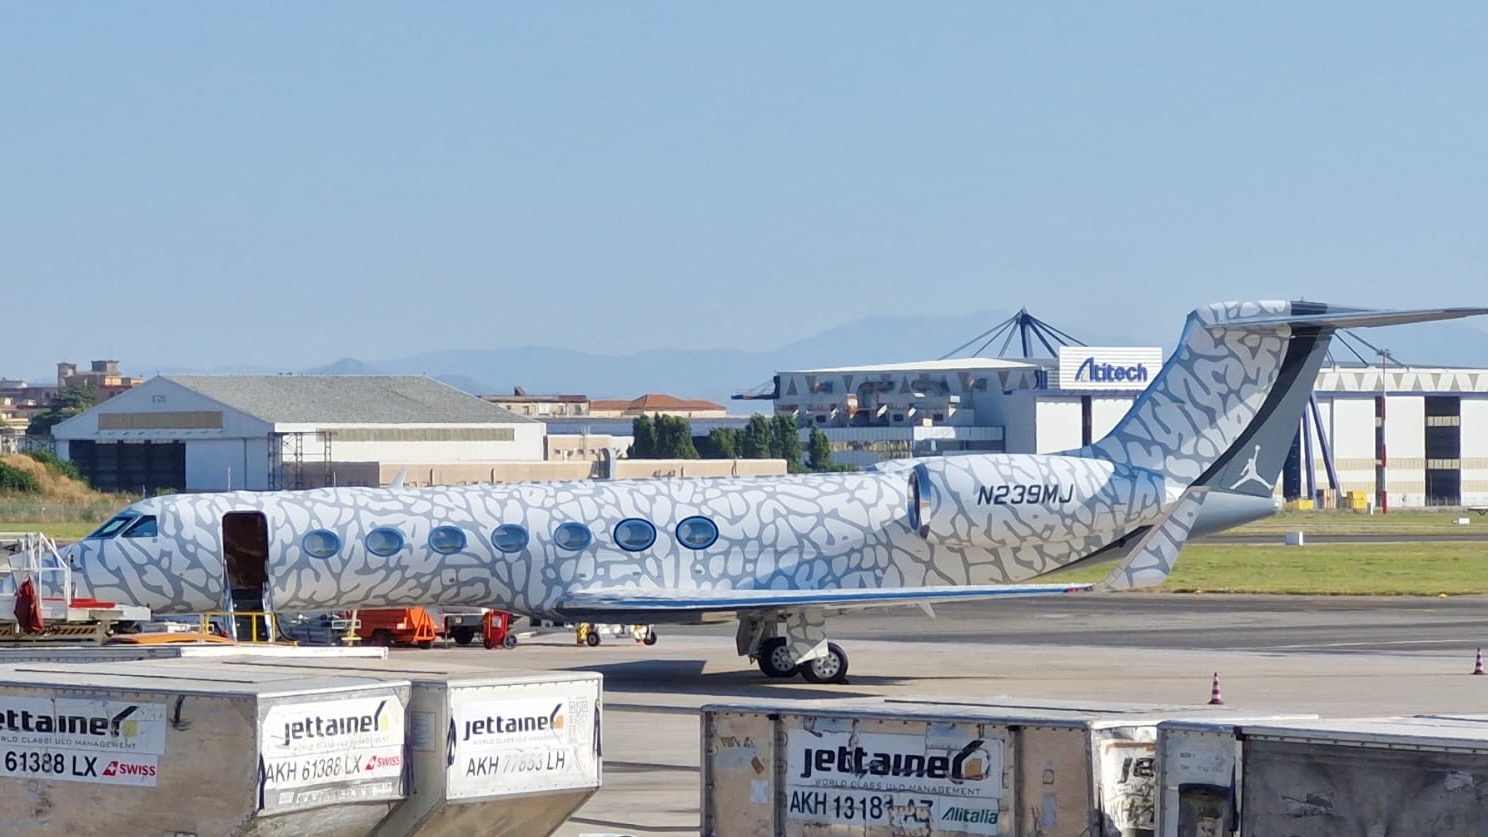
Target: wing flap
{"type": "Point", "coordinates": [620, 600]}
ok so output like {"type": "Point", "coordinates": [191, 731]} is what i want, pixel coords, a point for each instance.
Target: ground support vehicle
{"type": "Point", "coordinates": [37, 602]}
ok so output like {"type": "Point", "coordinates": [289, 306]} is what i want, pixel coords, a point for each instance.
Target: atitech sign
{"type": "Point", "coordinates": [1094, 367]}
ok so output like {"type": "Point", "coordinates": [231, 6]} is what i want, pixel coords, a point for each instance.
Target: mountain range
{"type": "Point", "coordinates": [717, 374]}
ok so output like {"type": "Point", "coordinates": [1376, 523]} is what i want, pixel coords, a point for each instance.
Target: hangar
{"type": "Point", "coordinates": [222, 432]}
{"type": "Point", "coordinates": [1387, 435]}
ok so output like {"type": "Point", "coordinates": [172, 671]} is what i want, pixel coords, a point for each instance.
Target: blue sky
{"type": "Point", "coordinates": [283, 184]}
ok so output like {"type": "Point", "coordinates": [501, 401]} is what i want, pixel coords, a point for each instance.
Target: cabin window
{"type": "Point", "coordinates": [384, 541]}
{"type": "Point", "coordinates": [634, 534]}
{"type": "Point", "coordinates": [697, 532]}
{"type": "Point", "coordinates": [145, 527]}
{"type": "Point", "coordinates": [446, 540]}
{"type": "Point", "coordinates": [509, 537]}
{"type": "Point", "coordinates": [112, 527]}
{"type": "Point", "coordinates": [322, 543]}
{"type": "Point", "coordinates": [572, 536]}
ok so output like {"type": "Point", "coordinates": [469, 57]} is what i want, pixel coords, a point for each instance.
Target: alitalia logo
{"type": "Point", "coordinates": [970, 816]}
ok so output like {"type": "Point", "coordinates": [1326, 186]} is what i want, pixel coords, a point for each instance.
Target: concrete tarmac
{"type": "Point", "coordinates": [1334, 656]}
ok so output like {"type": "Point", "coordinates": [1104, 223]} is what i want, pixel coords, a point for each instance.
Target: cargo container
{"type": "Point", "coordinates": [121, 653]}
{"type": "Point", "coordinates": [137, 750]}
{"type": "Point", "coordinates": [878, 767]}
{"type": "Point", "coordinates": [511, 753]}
{"type": "Point", "coordinates": [1198, 767]}
{"type": "Point", "coordinates": [1371, 777]}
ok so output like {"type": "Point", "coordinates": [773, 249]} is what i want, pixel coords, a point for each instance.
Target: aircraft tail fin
{"type": "Point", "coordinates": [1224, 410]}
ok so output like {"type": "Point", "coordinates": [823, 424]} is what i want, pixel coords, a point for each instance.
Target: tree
{"type": "Point", "coordinates": [674, 438]}
{"type": "Point", "coordinates": [785, 441]}
{"type": "Point", "coordinates": [644, 432]}
{"type": "Point", "coordinates": [820, 450]}
{"type": "Point", "coordinates": [755, 443]}
{"type": "Point", "coordinates": [723, 443]}
{"type": "Point", "coordinates": [64, 405]}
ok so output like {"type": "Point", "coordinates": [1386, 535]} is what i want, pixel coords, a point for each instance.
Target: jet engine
{"type": "Point", "coordinates": [1001, 500]}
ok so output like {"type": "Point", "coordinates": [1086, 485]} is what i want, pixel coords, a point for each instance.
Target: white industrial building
{"type": "Point", "coordinates": [1433, 449]}
{"type": "Point", "coordinates": [218, 432]}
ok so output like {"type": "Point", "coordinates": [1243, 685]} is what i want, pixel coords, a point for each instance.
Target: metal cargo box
{"type": "Point", "coordinates": [1377, 777]}
{"type": "Point", "coordinates": [490, 753]}
{"type": "Point", "coordinates": [124, 653]}
{"type": "Point", "coordinates": [128, 749]}
{"type": "Point", "coordinates": [870, 767]}
{"type": "Point", "coordinates": [1198, 775]}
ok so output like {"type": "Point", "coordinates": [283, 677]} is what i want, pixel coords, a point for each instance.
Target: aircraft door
{"type": "Point", "coordinates": [245, 556]}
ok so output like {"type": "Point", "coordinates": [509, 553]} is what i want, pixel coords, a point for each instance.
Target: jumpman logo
{"type": "Point", "coordinates": [1251, 474]}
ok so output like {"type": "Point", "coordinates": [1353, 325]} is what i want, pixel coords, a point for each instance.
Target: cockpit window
{"type": "Point", "coordinates": [143, 528]}
{"type": "Point", "coordinates": [111, 528]}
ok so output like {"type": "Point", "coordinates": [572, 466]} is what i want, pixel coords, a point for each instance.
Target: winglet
{"type": "Point", "coordinates": [398, 480]}
{"type": "Point", "coordinates": [1150, 562]}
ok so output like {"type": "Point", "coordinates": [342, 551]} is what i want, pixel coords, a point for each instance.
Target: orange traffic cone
{"type": "Point", "coordinates": [1214, 698]}
{"type": "Point", "coordinates": [1478, 665]}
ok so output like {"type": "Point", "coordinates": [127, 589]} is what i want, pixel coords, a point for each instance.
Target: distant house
{"type": "Point", "coordinates": [541, 406]}
{"type": "Point", "coordinates": [657, 404]}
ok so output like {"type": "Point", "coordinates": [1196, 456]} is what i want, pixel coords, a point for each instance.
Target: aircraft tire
{"type": "Point", "coordinates": [774, 659]}
{"type": "Point", "coordinates": [829, 669]}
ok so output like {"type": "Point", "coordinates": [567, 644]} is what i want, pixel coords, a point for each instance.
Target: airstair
{"type": "Point", "coordinates": [38, 601]}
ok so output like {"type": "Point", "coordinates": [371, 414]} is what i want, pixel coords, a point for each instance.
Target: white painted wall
{"type": "Point", "coordinates": [227, 464]}
{"type": "Point", "coordinates": [1105, 412]}
{"type": "Point", "coordinates": [1020, 417]}
{"type": "Point", "coordinates": [1405, 449]}
{"type": "Point", "coordinates": [1351, 430]}
{"type": "Point", "coordinates": [1475, 452]}
{"type": "Point", "coordinates": [526, 446]}
{"type": "Point", "coordinates": [1058, 424]}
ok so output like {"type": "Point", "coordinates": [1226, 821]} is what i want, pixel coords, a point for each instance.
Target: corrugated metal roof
{"type": "Point", "coordinates": [347, 399]}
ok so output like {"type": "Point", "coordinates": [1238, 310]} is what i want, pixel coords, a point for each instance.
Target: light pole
{"type": "Point", "coordinates": [1382, 493]}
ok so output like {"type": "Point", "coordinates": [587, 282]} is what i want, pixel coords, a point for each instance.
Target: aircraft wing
{"type": "Point", "coordinates": [610, 604]}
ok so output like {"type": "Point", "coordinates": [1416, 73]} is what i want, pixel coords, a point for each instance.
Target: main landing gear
{"type": "Point", "coordinates": [775, 661]}
{"type": "Point", "coordinates": [786, 644]}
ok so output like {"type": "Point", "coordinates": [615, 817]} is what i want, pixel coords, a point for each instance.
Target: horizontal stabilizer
{"type": "Point", "coordinates": [630, 600]}
{"type": "Point", "coordinates": [1152, 559]}
{"type": "Point", "coordinates": [1350, 318]}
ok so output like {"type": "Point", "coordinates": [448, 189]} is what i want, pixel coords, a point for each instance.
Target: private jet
{"type": "Point", "coordinates": [1200, 450]}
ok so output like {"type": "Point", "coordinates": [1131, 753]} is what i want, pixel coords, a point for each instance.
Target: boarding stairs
{"type": "Point", "coordinates": [33, 557]}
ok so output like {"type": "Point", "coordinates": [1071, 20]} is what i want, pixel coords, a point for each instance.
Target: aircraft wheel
{"type": "Point", "coordinates": [592, 639]}
{"type": "Point", "coordinates": [829, 669]}
{"type": "Point", "coordinates": [774, 658]}
{"type": "Point", "coordinates": [650, 638]}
